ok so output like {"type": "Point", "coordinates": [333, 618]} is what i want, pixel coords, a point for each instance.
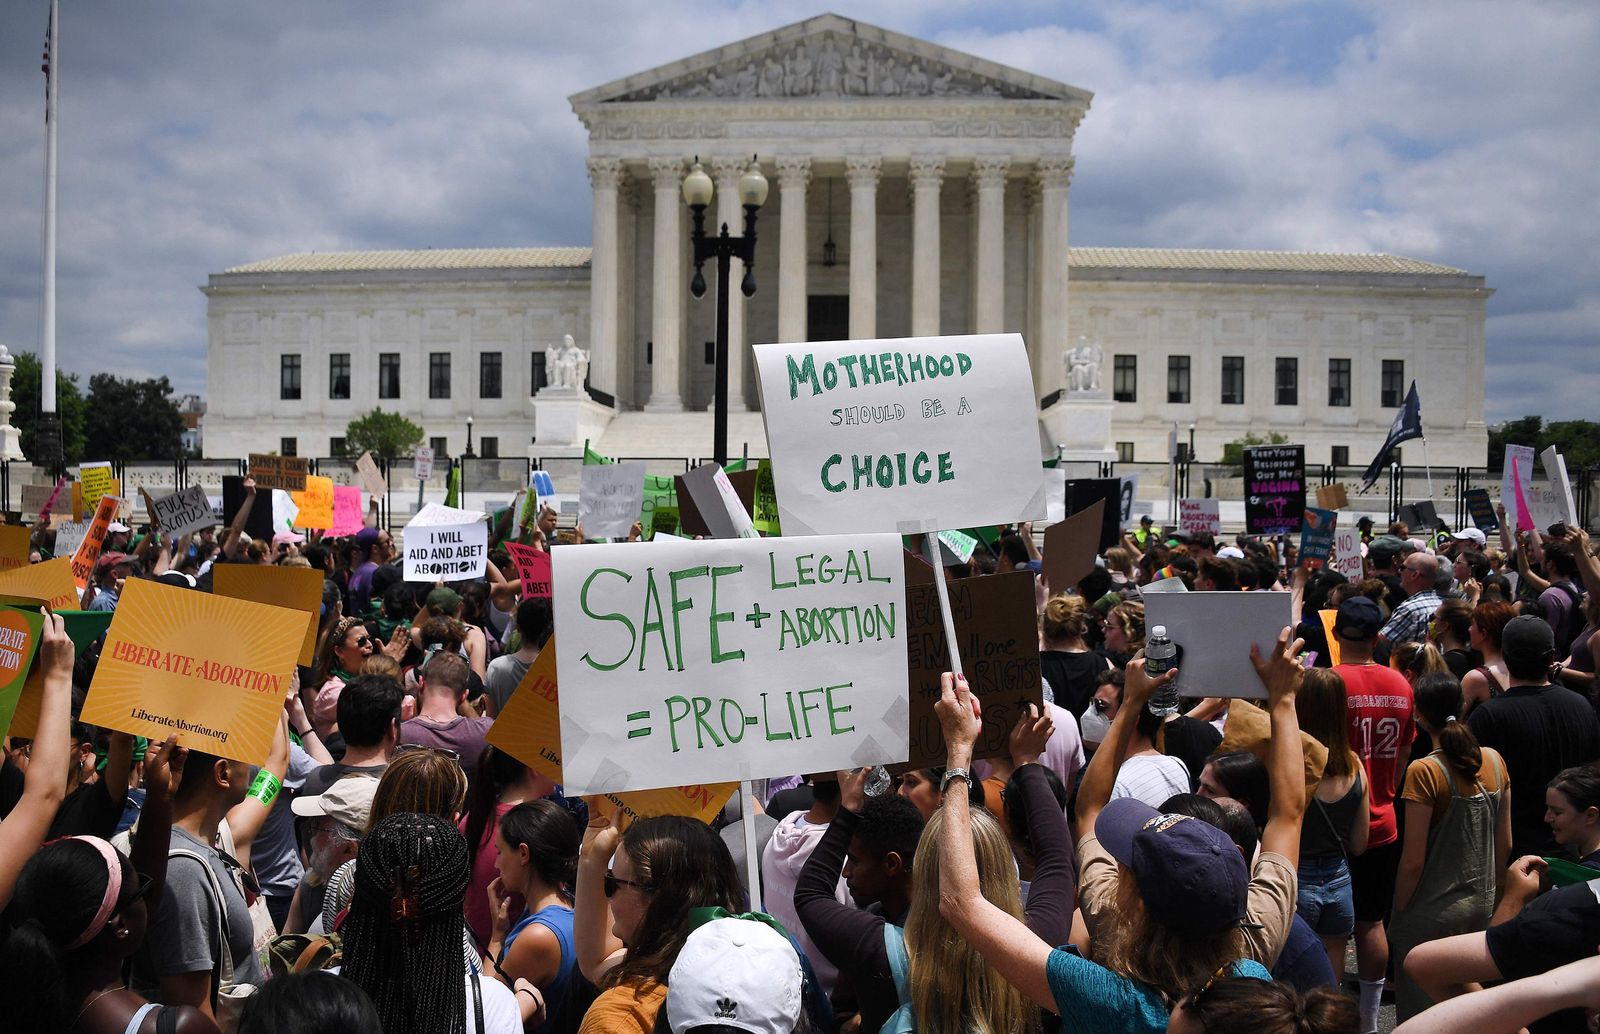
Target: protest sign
{"type": "Point", "coordinates": [710, 504]}
{"type": "Point", "coordinates": [533, 569]}
{"type": "Point", "coordinates": [83, 560]}
{"type": "Point", "coordinates": [959, 543]}
{"type": "Point", "coordinates": [1214, 631]}
{"type": "Point", "coordinates": [422, 462]}
{"type": "Point", "coordinates": [764, 512]}
{"type": "Point", "coordinates": [1408, 516]}
{"type": "Point", "coordinates": [1316, 536]}
{"type": "Point", "coordinates": [1427, 514]}
{"type": "Point", "coordinates": [1169, 584]}
{"type": "Point", "coordinates": [50, 581]}
{"type": "Point", "coordinates": [84, 628]}
{"type": "Point", "coordinates": [699, 661]}
{"type": "Point", "coordinates": [15, 544]}
{"type": "Point", "coordinates": [371, 478]}
{"type": "Point", "coordinates": [444, 542]}
{"type": "Point", "coordinates": [215, 670]}
{"type": "Point", "coordinates": [901, 435]}
{"type": "Point", "coordinates": [1128, 489]}
{"type": "Point", "coordinates": [1332, 497]}
{"type": "Point", "coordinates": [1274, 489]}
{"type": "Point", "coordinates": [285, 472]}
{"type": "Point", "coordinates": [293, 588]}
{"type": "Point", "coordinates": [42, 499]}
{"type": "Point", "coordinates": [1515, 476]}
{"type": "Point", "coordinates": [1070, 548]}
{"type": "Point", "coordinates": [1327, 617]}
{"type": "Point", "coordinates": [1481, 508]}
{"type": "Point", "coordinates": [19, 642]}
{"type": "Point", "coordinates": [1055, 494]}
{"type": "Point", "coordinates": [609, 499]}
{"type": "Point", "coordinates": [998, 639]}
{"type": "Point", "coordinates": [96, 481]}
{"type": "Point", "coordinates": [347, 518]}
{"type": "Point", "coordinates": [1200, 516]}
{"type": "Point", "coordinates": [181, 513]}
{"type": "Point", "coordinates": [1346, 555]}
{"type": "Point", "coordinates": [315, 503]}
{"type": "Point", "coordinates": [69, 535]}
{"type": "Point", "coordinates": [529, 729]}
{"type": "Point", "coordinates": [285, 512]}
{"type": "Point", "coordinates": [1082, 493]}
{"type": "Point", "coordinates": [1555, 472]}
{"type": "Point", "coordinates": [258, 523]}
{"type": "Point", "coordinates": [79, 508]}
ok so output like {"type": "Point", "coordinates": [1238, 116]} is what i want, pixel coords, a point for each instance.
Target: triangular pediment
{"type": "Point", "coordinates": [829, 58]}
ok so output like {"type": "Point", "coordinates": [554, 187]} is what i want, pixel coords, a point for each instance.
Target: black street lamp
{"type": "Point", "coordinates": [469, 437]}
{"type": "Point", "coordinates": [697, 192]}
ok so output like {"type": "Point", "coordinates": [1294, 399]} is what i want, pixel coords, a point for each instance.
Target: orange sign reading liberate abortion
{"type": "Point", "coordinates": [212, 669]}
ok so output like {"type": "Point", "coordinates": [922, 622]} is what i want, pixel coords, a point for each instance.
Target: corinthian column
{"type": "Point", "coordinates": [863, 174]}
{"type": "Point", "coordinates": [726, 172]}
{"type": "Point", "coordinates": [926, 176]}
{"type": "Point", "coordinates": [989, 273]}
{"type": "Point", "coordinates": [666, 304]}
{"type": "Point", "coordinates": [794, 174]}
{"type": "Point", "coordinates": [1055, 176]}
{"type": "Point", "coordinates": [605, 175]}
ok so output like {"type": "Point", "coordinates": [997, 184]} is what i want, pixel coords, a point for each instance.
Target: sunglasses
{"type": "Point", "coordinates": [1197, 1000]}
{"type": "Point", "coordinates": [613, 882]}
{"type": "Point", "coordinates": [143, 884]}
{"type": "Point", "coordinates": [365, 640]}
{"type": "Point", "coordinates": [407, 748]}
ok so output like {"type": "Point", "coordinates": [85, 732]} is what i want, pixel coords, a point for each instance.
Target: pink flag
{"type": "Point", "coordinates": [346, 510]}
{"type": "Point", "coordinates": [533, 567]}
{"type": "Point", "coordinates": [1524, 518]}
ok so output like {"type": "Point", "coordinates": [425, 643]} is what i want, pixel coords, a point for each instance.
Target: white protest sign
{"type": "Point", "coordinates": [902, 435]}
{"type": "Point", "coordinates": [444, 542]}
{"type": "Point", "coordinates": [1055, 494]}
{"type": "Point", "coordinates": [700, 661]}
{"type": "Point", "coordinates": [1196, 516]}
{"type": "Point", "coordinates": [1214, 631]}
{"type": "Point", "coordinates": [371, 477]}
{"type": "Point", "coordinates": [1163, 585]}
{"type": "Point", "coordinates": [1517, 472]}
{"type": "Point", "coordinates": [1346, 553]}
{"type": "Point", "coordinates": [69, 536]}
{"type": "Point", "coordinates": [183, 512]}
{"type": "Point", "coordinates": [1555, 472]}
{"type": "Point", "coordinates": [718, 503]}
{"type": "Point", "coordinates": [959, 543]}
{"type": "Point", "coordinates": [610, 496]}
{"type": "Point", "coordinates": [422, 463]}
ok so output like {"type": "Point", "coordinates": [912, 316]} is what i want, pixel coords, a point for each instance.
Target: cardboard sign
{"type": "Point", "coordinates": [1555, 472]}
{"type": "Point", "coordinates": [444, 542]}
{"type": "Point", "coordinates": [1515, 476]}
{"type": "Point", "coordinates": [422, 463]}
{"type": "Point", "coordinates": [1274, 489]}
{"type": "Point", "coordinates": [708, 497]}
{"type": "Point", "coordinates": [88, 551]}
{"type": "Point", "coordinates": [42, 499]}
{"type": "Point", "coordinates": [1327, 618]}
{"type": "Point", "coordinates": [694, 662]}
{"type": "Point", "coordinates": [96, 481]}
{"type": "Point", "coordinates": [1215, 630]}
{"type": "Point", "coordinates": [315, 503]}
{"type": "Point", "coordinates": [215, 670]}
{"type": "Point", "coordinates": [764, 512]}
{"type": "Point", "coordinates": [1070, 548]}
{"type": "Point", "coordinates": [19, 642]}
{"type": "Point", "coordinates": [182, 513]}
{"type": "Point", "coordinates": [258, 524]}
{"type": "Point", "coordinates": [347, 518]}
{"type": "Point", "coordinates": [1332, 497]}
{"type": "Point", "coordinates": [609, 499]}
{"type": "Point", "coordinates": [1346, 556]}
{"type": "Point", "coordinates": [1481, 508]}
{"type": "Point", "coordinates": [1316, 536]}
{"type": "Point", "coordinates": [285, 472]}
{"type": "Point", "coordinates": [901, 435]}
{"type": "Point", "coordinates": [16, 542]}
{"type": "Point", "coordinates": [1083, 493]}
{"type": "Point", "coordinates": [84, 628]}
{"type": "Point", "coordinates": [1055, 494]}
{"type": "Point", "coordinates": [529, 729]}
{"type": "Point", "coordinates": [69, 536]}
{"type": "Point", "coordinates": [293, 588]}
{"type": "Point", "coordinates": [997, 630]}
{"type": "Point", "coordinates": [533, 569]}
{"type": "Point", "coordinates": [1200, 516]}
{"type": "Point", "coordinates": [371, 478]}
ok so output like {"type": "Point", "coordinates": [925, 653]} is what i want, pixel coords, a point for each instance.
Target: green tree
{"type": "Point", "coordinates": [69, 407]}
{"type": "Point", "coordinates": [1233, 452]}
{"type": "Point", "coordinates": [382, 434]}
{"type": "Point", "coordinates": [1577, 440]}
{"type": "Point", "coordinates": [129, 419]}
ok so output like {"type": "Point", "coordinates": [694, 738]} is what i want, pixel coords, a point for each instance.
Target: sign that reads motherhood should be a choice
{"type": "Point", "coordinates": [444, 542]}
{"type": "Point", "coordinates": [902, 435]}
{"type": "Point", "coordinates": [694, 662]}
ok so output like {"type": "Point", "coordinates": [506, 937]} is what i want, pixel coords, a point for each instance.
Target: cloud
{"type": "Point", "coordinates": [198, 136]}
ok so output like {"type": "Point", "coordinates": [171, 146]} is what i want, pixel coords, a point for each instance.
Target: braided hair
{"type": "Point", "coordinates": [402, 940]}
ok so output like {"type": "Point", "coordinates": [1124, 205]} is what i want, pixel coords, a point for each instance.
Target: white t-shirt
{"type": "Point", "coordinates": [1151, 778]}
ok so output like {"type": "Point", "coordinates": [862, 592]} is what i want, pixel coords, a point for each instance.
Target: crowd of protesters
{"type": "Point", "coordinates": [1409, 812]}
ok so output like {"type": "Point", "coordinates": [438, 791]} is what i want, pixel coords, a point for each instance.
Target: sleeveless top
{"type": "Point", "coordinates": [558, 920]}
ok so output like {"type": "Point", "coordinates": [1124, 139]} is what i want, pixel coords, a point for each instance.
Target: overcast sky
{"type": "Point", "coordinates": [197, 136]}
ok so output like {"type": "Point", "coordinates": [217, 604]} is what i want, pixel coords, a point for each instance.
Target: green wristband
{"type": "Point", "coordinates": [265, 788]}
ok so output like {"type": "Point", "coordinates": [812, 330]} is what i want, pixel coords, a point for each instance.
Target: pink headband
{"type": "Point", "coordinates": [113, 889]}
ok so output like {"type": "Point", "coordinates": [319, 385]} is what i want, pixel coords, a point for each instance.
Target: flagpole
{"type": "Point", "coordinates": [1428, 469]}
{"type": "Point", "coordinates": [50, 440]}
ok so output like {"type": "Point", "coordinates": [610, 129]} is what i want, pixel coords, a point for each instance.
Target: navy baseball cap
{"type": "Point", "coordinates": [1191, 877]}
{"type": "Point", "coordinates": [1359, 617]}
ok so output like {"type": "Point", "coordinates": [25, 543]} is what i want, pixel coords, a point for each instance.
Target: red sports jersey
{"type": "Point", "coordinates": [1378, 703]}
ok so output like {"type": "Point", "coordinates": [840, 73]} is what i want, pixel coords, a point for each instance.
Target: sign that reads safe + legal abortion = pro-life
{"type": "Point", "coordinates": [902, 435]}
{"type": "Point", "coordinates": [700, 661]}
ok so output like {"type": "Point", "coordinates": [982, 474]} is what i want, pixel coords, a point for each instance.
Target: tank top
{"type": "Point", "coordinates": [558, 920]}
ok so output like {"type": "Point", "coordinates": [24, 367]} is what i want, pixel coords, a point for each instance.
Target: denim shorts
{"type": "Point", "coordinates": [1325, 901]}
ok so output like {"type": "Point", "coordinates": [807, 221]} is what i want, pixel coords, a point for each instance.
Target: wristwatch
{"type": "Point", "coordinates": [952, 774]}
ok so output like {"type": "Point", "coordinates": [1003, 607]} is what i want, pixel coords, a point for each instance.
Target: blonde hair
{"type": "Point", "coordinates": [381, 664]}
{"type": "Point", "coordinates": [423, 781]}
{"type": "Point", "coordinates": [1415, 660]}
{"type": "Point", "coordinates": [1132, 616]}
{"type": "Point", "coordinates": [1064, 617]}
{"type": "Point", "coordinates": [1120, 559]}
{"type": "Point", "coordinates": [953, 990]}
{"type": "Point", "coordinates": [1142, 949]}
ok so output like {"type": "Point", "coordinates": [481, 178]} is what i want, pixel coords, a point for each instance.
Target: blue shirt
{"type": "Point", "coordinates": [1303, 963]}
{"type": "Point", "coordinates": [1091, 999]}
{"type": "Point", "coordinates": [558, 920]}
{"type": "Point", "coordinates": [105, 599]}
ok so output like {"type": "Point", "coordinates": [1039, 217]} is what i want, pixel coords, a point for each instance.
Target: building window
{"type": "Point", "coordinates": [1125, 378]}
{"type": "Point", "coordinates": [1124, 452]}
{"type": "Point", "coordinates": [336, 446]}
{"type": "Point", "coordinates": [489, 375]}
{"type": "Point", "coordinates": [649, 352]}
{"type": "Point", "coordinates": [441, 450]}
{"type": "Point", "coordinates": [1178, 378]}
{"type": "Point", "coordinates": [1341, 455]}
{"type": "Point", "coordinates": [388, 375]}
{"type": "Point", "coordinates": [711, 353]}
{"type": "Point", "coordinates": [489, 447]}
{"type": "Point", "coordinates": [537, 378]}
{"type": "Point", "coordinates": [438, 375]}
{"type": "Point", "coordinates": [1233, 380]}
{"type": "Point", "coordinates": [289, 377]}
{"type": "Point", "coordinates": [288, 447]}
{"type": "Point", "coordinates": [1288, 382]}
{"type": "Point", "coordinates": [339, 375]}
{"type": "Point", "coordinates": [1338, 382]}
{"type": "Point", "coordinates": [1394, 381]}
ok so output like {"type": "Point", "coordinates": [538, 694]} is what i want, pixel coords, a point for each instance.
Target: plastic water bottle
{"type": "Point", "coordinates": [1160, 657]}
{"type": "Point", "coordinates": [877, 783]}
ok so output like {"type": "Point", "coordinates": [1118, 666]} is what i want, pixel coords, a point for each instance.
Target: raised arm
{"type": "Point", "coordinates": [597, 949]}
{"type": "Point", "coordinates": [847, 936]}
{"type": "Point", "coordinates": [1052, 896]}
{"type": "Point", "coordinates": [45, 785]}
{"type": "Point", "coordinates": [246, 818]}
{"type": "Point", "coordinates": [1282, 675]}
{"type": "Point", "coordinates": [163, 771]}
{"type": "Point", "coordinates": [230, 539]}
{"type": "Point", "coordinates": [1095, 790]}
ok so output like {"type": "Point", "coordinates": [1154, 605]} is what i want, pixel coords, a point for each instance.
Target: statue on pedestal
{"type": "Point", "coordinates": [567, 365]}
{"type": "Point", "coordinates": [1083, 365]}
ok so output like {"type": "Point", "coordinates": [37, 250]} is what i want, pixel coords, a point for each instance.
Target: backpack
{"type": "Point", "coordinates": [228, 997]}
{"type": "Point", "coordinates": [1574, 623]}
{"type": "Point", "coordinates": [894, 943]}
{"type": "Point", "coordinates": [304, 953]}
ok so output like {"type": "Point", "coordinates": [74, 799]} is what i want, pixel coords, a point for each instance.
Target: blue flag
{"type": "Point", "coordinates": [1407, 425]}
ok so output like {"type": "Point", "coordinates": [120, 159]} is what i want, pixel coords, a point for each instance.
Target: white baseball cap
{"type": "Point", "coordinates": [1231, 553]}
{"type": "Point", "coordinates": [1471, 535]}
{"type": "Point", "coordinates": [735, 973]}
